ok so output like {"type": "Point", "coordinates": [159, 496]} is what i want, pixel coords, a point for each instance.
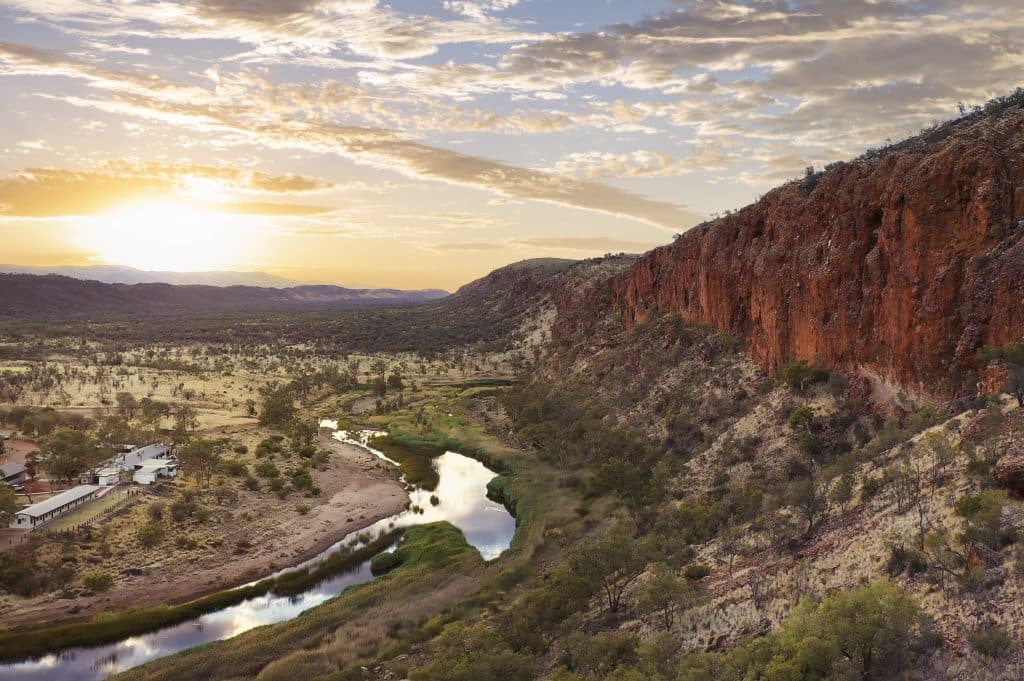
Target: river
{"type": "Point", "coordinates": [462, 501]}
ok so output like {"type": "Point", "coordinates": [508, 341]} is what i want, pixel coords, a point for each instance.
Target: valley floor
{"type": "Point", "coordinates": [357, 489]}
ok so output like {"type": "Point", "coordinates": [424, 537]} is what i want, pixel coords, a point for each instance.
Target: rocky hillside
{"type": "Point", "coordinates": [897, 266]}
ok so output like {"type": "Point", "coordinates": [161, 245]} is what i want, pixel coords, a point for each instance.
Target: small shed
{"type": "Point", "coordinates": [32, 516]}
{"type": "Point", "coordinates": [108, 476]}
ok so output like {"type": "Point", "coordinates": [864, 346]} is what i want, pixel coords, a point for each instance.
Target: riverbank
{"type": "Point", "coordinates": [357, 491]}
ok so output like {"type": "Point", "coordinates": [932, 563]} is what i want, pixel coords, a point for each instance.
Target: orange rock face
{"type": "Point", "coordinates": [897, 267]}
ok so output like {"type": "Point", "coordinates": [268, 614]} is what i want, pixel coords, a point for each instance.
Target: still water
{"type": "Point", "coordinates": [463, 502]}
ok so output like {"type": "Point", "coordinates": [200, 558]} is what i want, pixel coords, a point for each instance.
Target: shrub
{"type": "Point", "coordinates": [266, 469]}
{"type": "Point", "coordinates": [156, 511]}
{"type": "Point", "coordinates": [183, 541]}
{"type": "Point", "coordinates": [182, 509]}
{"type": "Point", "coordinates": [150, 535]}
{"type": "Point", "coordinates": [98, 581]}
{"type": "Point", "coordinates": [241, 449]}
{"type": "Point", "coordinates": [801, 375]}
{"type": "Point", "coordinates": [992, 641]}
{"type": "Point", "coordinates": [234, 467]}
{"type": "Point", "coordinates": [696, 572]}
{"type": "Point", "coordinates": [385, 562]}
{"type": "Point", "coordinates": [871, 486]}
{"type": "Point", "coordinates": [303, 509]}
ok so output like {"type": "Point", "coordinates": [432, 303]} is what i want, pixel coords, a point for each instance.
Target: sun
{"type": "Point", "coordinates": [172, 234]}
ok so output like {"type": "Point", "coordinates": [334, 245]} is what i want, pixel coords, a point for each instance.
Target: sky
{"type": "Point", "coordinates": [423, 143]}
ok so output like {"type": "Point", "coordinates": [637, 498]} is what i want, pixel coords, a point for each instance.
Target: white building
{"type": "Point", "coordinates": [31, 516]}
{"type": "Point", "coordinates": [148, 472]}
{"type": "Point", "coordinates": [110, 471]}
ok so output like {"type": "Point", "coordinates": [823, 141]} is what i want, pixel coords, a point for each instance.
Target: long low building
{"type": "Point", "coordinates": [31, 516]}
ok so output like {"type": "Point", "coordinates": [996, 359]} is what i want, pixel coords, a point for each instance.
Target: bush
{"type": "Point", "coordinates": [156, 511]}
{"type": "Point", "coordinates": [98, 581]}
{"type": "Point", "coordinates": [182, 509]}
{"type": "Point", "coordinates": [696, 572]}
{"type": "Point", "coordinates": [241, 449]}
{"type": "Point", "coordinates": [303, 509]}
{"type": "Point", "coordinates": [801, 375]}
{"type": "Point", "coordinates": [266, 469]}
{"type": "Point", "coordinates": [992, 641]}
{"type": "Point", "coordinates": [234, 467]}
{"type": "Point", "coordinates": [183, 541]}
{"type": "Point", "coordinates": [150, 535]}
{"type": "Point", "coordinates": [385, 562]}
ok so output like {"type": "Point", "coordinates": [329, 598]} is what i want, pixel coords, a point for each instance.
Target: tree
{"type": "Point", "coordinates": [126, 405]}
{"type": "Point", "coordinates": [379, 367]}
{"type": "Point", "coordinates": [803, 495]}
{"type": "Point", "coordinates": [611, 560]}
{"type": "Point", "coordinates": [863, 634]}
{"type": "Point", "coordinates": [186, 422]}
{"type": "Point", "coordinates": [938, 445]}
{"type": "Point", "coordinates": [68, 453]}
{"type": "Point", "coordinates": [662, 595]}
{"type": "Point", "coordinates": [8, 505]}
{"type": "Point", "coordinates": [278, 409]}
{"type": "Point", "coordinates": [909, 487]}
{"type": "Point", "coordinates": [842, 490]}
{"type": "Point", "coordinates": [201, 458]}
{"type": "Point", "coordinates": [114, 430]}
{"type": "Point", "coordinates": [153, 412]}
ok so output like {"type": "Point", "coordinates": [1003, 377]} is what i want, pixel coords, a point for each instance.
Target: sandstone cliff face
{"type": "Point", "coordinates": [898, 267]}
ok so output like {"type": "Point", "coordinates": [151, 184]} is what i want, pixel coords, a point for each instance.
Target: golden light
{"type": "Point", "coordinates": [172, 234]}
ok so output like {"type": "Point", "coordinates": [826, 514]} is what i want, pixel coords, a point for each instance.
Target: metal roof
{"type": "Point", "coordinates": [53, 503]}
{"type": "Point", "coordinates": [136, 456]}
{"type": "Point", "coordinates": [9, 470]}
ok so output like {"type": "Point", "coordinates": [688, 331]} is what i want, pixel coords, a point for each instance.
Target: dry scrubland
{"type": "Point", "coordinates": [250, 517]}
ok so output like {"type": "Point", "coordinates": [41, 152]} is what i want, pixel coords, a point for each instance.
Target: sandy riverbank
{"type": "Point", "coordinates": [358, 490]}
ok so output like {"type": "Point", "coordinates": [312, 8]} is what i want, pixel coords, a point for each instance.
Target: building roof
{"type": "Point", "coordinates": [155, 464]}
{"type": "Point", "coordinates": [135, 457]}
{"type": "Point", "coordinates": [9, 470]}
{"type": "Point", "coordinates": [53, 503]}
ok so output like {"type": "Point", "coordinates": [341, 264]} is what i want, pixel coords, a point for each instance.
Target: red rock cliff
{"type": "Point", "coordinates": [898, 266]}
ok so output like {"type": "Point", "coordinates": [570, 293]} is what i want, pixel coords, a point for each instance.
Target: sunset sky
{"type": "Point", "coordinates": [421, 143]}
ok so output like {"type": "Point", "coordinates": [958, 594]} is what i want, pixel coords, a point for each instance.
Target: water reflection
{"type": "Point", "coordinates": [461, 500]}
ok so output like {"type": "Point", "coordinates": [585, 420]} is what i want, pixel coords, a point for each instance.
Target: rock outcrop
{"type": "Point", "coordinates": [897, 266]}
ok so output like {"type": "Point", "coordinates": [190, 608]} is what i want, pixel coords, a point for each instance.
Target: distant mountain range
{"type": "Point", "coordinates": [115, 274]}
{"type": "Point", "coordinates": [29, 296]}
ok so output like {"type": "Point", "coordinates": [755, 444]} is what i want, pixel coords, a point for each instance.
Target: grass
{"type": "Point", "coordinates": [436, 572]}
{"type": "Point", "coordinates": [31, 643]}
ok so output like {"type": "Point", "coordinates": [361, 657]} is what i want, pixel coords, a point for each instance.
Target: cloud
{"type": "Point", "coordinates": [51, 192]}
{"type": "Point", "coordinates": [381, 147]}
{"type": "Point", "coordinates": [588, 244]}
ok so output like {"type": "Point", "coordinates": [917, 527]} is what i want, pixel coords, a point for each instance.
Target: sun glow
{"type": "Point", "coordinates": [178, 235]}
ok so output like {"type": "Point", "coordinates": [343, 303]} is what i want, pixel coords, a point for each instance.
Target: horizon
{"type": "Point", "coordinates": [423, 145]}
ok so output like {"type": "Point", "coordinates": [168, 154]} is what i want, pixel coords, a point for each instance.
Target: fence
{"type": "Point", "coordinates": [130, 495]}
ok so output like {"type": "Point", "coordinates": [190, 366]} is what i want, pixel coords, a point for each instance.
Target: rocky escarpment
{"type": "Point", "coordinates": [898, 266]}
